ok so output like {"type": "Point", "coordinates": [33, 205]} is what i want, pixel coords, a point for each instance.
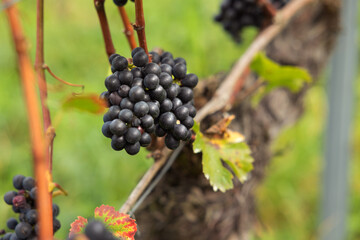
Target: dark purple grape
{"type": "Point", "coordinates": [145, 140]}
{"type": "Point", "coordinates": [133, 135]}
{"type": "Point", "coordinates": [165, 80]}
{"type": "Point", "coordinates": [140, 59]}
{"type": "Point", "coordinates": [17, 181]}
{"type": "Point", "coordinates": [136, 72]}
{"type": "Point", "coordinates": [118, 143]}
{"type": "Point", "coordinates": [188, 122]}
{"type": "Point", "coordinates": [126, 104]}
{"type": "Point", "coordinates": [171, 142]}
{"type": "Point", "coordinates": [191, 80]}
{"type": "Point", "coordinates": [166, 68]}
{"type": "Point", "coordinates": [126, 77]}
{"type": "Point", "coordinates": [23, 230]}
{"type": "Point", "coordinates": [151, 81]}
{"type": "Point", "coordinates": [136, 50]}
{"type": "Point", "coordinates": [141, 109]}
{"type": "Point", "coordinates": [180, 132]}
{"type": "Point", "coordinates": [152, 68]}
{"type": "Point", "coordinates": [158, 94]}
{"type": "Point", "coordinates": [166, 106]}
{"type": "Point", "coordinates": [168, 61]}
{"type": "Point", "coordinates": [155, 57]}
{"type": "Point", "coordinates": [147, 121]}
{"type": "Point", "coordinates": [136, 94]}
{"type": "Point", "coordinates": [126, 115]}
{"type": "Point", "coordinates": [182, 113]}
{"type": "Point", "coordinates": [132, 149]}
{"type": "Point", "coordinates": [119, 63]}
{"type": "Point", "coordinates": [11, 223]}
{"type": "Point", "coordinates": [118, 127]}
{"type": "Point", "coordinates": [186, 94]}
{"type": "Point", "coordinates": [167, 120]}
{"type": "Point", "coordinates": [124, 91]}
{"type": "Point", "coordinates": [106, 130]}
{"type": "Point", "coordinates": [28, 183]}
{"type": "Point", "coordinates": [8, 197]}
{"type": "Point", "coordinates": [179, 71]}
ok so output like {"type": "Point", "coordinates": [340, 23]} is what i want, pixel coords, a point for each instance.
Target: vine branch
{"type": "Point", "coordinates": [128, 28]}
{"type": "Point", "coordinates": [221, 100]}
{"type": "Point", "coordinates": [38, 142]}
{"type": "Point", "coordinates": [269, 8]}
{"type": "Point", "coordinates": [140, 24]}
{"type": "Point", "coordinates": [109, 46]}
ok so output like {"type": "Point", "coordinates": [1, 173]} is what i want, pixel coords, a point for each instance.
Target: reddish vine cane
{"type": "Point", "coordinates": [140, 24]}
{"type": "Point", "coordinates": [35, 124]}
{"type": "Point", "coordinates": [128, 29]}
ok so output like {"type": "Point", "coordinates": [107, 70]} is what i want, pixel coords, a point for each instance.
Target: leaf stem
{"type": "Point", "coordinates": [109, 46]}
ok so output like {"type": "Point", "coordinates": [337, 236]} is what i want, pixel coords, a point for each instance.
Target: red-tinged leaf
{"type": "Point", "coordinates": [88, 103]}
{"type": "Point", "coordinates": [78, 225]}
{"type": "Point", "coordinates": [120, 224]}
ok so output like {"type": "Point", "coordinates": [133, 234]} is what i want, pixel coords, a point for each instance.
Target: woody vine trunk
{"type": "Point", "coordinates": [183, 205]}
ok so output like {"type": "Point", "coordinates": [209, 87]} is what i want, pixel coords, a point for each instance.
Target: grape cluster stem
{"type": "Point", "coordinates": [128, 29]}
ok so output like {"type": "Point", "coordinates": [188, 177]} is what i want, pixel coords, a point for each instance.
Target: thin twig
{"type": "Point", "coordinates": [238, 86]}
{"type": "Point", "coordinates": [45, 66]}
{"type": "Point", "coordinates": [109, 46]}
{"type": "Point", "coordinates": [220, 98]}
{"type": "Point", "coordinates": [128, 28]}
{"type": "Point", "coordinates": [140, 24]}
{"type": "Point", "coordinates": [35, 125]}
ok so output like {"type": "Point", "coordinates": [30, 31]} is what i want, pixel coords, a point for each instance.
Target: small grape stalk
{"type": "Point", "coordinates": [23, 202]}
{"type": "Point", "coordinates": [148, 98]}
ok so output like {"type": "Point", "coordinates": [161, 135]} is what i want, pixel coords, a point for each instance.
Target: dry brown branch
{"type": "Point", "coordinates": [220, 100]}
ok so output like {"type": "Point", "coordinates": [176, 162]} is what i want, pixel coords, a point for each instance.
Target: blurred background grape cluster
{"type": "Point", "coordinates": [94, 174]}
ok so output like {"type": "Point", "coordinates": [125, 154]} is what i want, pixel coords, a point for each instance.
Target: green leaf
{"type": "Point", "coordinates": [120, 224]}
{"type": "Point", "coordinates": [277, 75]}
{"type": "Point", "coordinates": [234, 153]}
{"type": "Point", "coordinates": [88, 103]}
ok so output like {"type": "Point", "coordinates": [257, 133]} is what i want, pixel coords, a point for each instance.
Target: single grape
{"type": "Point", "coordinates": [165, 80]}
{"type": "Point", "coordinates": [168, 61]}
{"type": "Point", "coordinates": [154, 110]}
{"type": "Point", "coordinates": [123, 91]}
{"type": "Point", "coordinates": [111, 58]}
{"type": "Point", "coordinates": [150, 129]}
{"type": "Point", "coordinates": [180, 132]}
{"type": "Point", "coordinates": [173, 91]}
{"type": "Point", "coordinates": [176, 103]}
{"type": "Point", "coordinates": [112, 83]}
{"type": "Point", "coordinates": [11, 223]}
{"type": "Point", "coordinates": [188, 122]}
{"type": "Point", "coordinates": [159, 131]}
{"type": "Point", "coordinates": [136, 50]}
{"type": "Point", "coordinates": [140, 59]}
{"type": "Point", "coordinates": [126, 77]}
{"type": "Point", "coordinates": [191, 80]}
{"type": "Point", "coordinates": [141, 109]}
{"type": "Point", "coordinates": [33, 193]}
{"type": "Point", "coordinates": [136, 122]}
{"type": "Point", "coordinates": [145, 140]}
{"type": "Point", "coordinates": [182, 113]}
{"type": "Point", "coordinates": [120, 3]}
{"type": "Point", "coordinates": [17, 181]}
{"type": "Point", "coordinates": [106, 130]}
{"type": "Point", "coordinates": [136, 72]}
{"type": "Point", "coordinates": [179, 60]}
{"type": "Point", "coordinates": [166, 68]}
{"type": "Point", "coordinates": [167, 120]}
{"type": "Point", "coordinates": [166, 106]}
{"type": "Point", "coordinates": [155, 57]}
{"type": "Point", "coordinates": [113, 112]}
{"type": "Point", "coordinates": [23, 230]}
{"type": "Point", "coordinates": [118, 127]}
{"type": "Point", "coordinates": [137, 82]}
{"type": "Point", "coordinates": [56, 225]}
{"type": "Point", "coordinates": [171, 142]}
{"type": "Point", "coordinates": [166, 54]}
{"type": "Point", "coordinates": [186, 94]}
{"type": "Point", "coordinates": [8, 197]}
{"type": "Point", "coordinates": [126, 104]}
{"type": "Point", "coordinates": [179, 70]}
{"type": "Point", "coordinates": [118, 143]}
{"type": "Point", "coordinates": [158, 94]}
{"type": "Point", "coordinates": [147, 121]}
{"type": "Point", "coordinates": [31, 217]}
{"type": "Point", "coordinates": [136, 94]}
{"type": "Point", "coordinates": [126, 115]}
{"type": "Point", "coordinates": [151, 81]}
{"type": "Point", "coordinates": [114, 98]}
{"type": "Point", "coordinates": [119, 63]}
{"type": "Point", "coordinates": [28, 183]}
{"type": "Point", "coordinates": [133, 135]}
{"type": "Point", "coordinates": [192, 110]}
{"type": "Point", "coordinates": [152, 68]}
{"type": "Point", "coordinates": [132, 149]}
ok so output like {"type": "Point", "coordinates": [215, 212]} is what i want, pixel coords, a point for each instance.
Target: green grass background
{"type": "Point", "coordinates": [84, 163]}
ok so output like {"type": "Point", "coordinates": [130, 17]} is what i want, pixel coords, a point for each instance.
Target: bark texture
{"type": "Point", "coordinates": [183, 205]}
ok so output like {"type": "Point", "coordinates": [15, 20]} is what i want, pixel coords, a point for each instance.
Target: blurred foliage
{"type": "Point", "coordinates": [94, 174]}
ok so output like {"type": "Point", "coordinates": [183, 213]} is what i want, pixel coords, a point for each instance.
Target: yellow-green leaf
{"type": "Point", "coordinates": [88, 103]}
{"type": "Point", "coordinates": [277, 75]}
{"type": "Point", "coordinates": [231, 149]}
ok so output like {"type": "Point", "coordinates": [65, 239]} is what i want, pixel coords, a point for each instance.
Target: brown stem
{"type": "Point", "coordinates": [46, 67]}
{"type": "Point", "coordinates": [220, 100]}
{"type": "Point", "coordinates": [140, 24]}
{"type": "Point", "coordinates": [238, 86]}
{"type": "Point", "coordinates": [269, 8]}
{"type": "Point", "coordinates": [35, 127]}
{"type": "Point", "coordinates": [128, 28]}
{"type": "Point", "coordinates": [109, 46]}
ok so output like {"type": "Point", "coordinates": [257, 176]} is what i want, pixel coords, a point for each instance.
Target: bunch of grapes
{"type": "Point", "coordinates": [121, 3]}
{"type": "Point", "coordinates": [23, 202]}
{"type": "Point", "coordinates": [148, 98]}
{"type": "Point", "coordinates": [235, 15]}
{"type": "Point", "coordinates": [94, 230]}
